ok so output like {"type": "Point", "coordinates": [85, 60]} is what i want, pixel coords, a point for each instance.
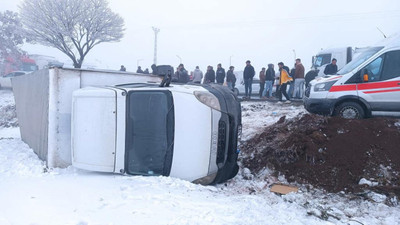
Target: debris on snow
{"type": "Point", "coordinates": [364, 181]}
{"type": "Point", "coordinates": [283, 189]}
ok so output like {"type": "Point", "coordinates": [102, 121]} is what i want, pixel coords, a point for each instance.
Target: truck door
{"type": "Point", "coordinates": [382, 90]}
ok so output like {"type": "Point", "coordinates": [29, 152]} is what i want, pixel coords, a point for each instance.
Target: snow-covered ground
{"type": "Point", "coordinates": [32, 194]}
{"type": "Point", "coordinates": [258, 115]}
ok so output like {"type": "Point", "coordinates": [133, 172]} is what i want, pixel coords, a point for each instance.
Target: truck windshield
{"type": "Point", "coordinates": [358, 60]}
{"type": "Point", "coordinates": [322, 60]}
{"type": "Point", "coordinates": [149, 132]}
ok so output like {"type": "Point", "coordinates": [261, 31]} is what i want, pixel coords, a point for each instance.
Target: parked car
{"type": "Point", "coordinates": [367, 86]}
{"type": "Point", "coordinates": [5, 81]}
{"type": "Point", "coordinates": [184, 131]}
{"type": "Point", "coordinates": [256, 88]}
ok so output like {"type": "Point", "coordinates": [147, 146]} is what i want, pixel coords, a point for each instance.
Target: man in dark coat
{"type": "Point", "coordinates": [331, 69]}
{"type": "Point", "coordinates": [183, 76]}
{"type": "Point", "coordinates": [220, 76]}
{"type": "Point", "coordinates": [248, 75]}
{"type": "Point", "coordinates": [269, 81]}
{"type": "Point", "coordinates": [139, 69]}
{"type": "Point", "coordinates": [210, 75]}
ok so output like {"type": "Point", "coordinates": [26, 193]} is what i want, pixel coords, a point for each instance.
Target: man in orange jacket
{"type": "Point", "coordinates": [283, 81]}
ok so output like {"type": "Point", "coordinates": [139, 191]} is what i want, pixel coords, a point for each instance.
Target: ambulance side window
{"type": "Point", "coordinates": [391, 66]}
{"type": "Point", "coordinates": [374, 69]}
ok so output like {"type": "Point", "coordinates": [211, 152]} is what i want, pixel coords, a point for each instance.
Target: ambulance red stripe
{"type": "Point", "coordinates": [381, 91]}
{"type": "Point", "coordinates": [376, 85]}
{"type": "Point", "coordinates": [365, 86]}
{"type": "Point", "coordinates": [347, 87]}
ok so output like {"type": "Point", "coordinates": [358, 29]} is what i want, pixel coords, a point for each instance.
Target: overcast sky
{"type": "Point", "coordinates": [208, 32]}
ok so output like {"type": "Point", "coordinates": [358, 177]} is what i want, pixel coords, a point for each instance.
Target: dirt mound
{"type": "Point", "coordinates": [331, 153]}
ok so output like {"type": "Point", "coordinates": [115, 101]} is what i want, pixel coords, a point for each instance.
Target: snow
{"type": "Point", "coordinates": [32, 194]}
{"type": "Point", "coordinates": [364, 181]}
{"type": "Point", "coordinates": [258, 115]}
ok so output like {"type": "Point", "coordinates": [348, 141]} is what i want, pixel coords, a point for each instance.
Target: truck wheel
{"type": "Point", "coordinates": [350, 110]}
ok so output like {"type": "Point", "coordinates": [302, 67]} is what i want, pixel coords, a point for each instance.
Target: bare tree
{"type": "Point", "coordinates": [11, 37]}
{"type": "Point", "coordinates": [72, 26]}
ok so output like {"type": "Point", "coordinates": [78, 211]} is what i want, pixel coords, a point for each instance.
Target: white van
{"type": "Point", "coordinates": [367, 86]}
{"type": "Point", "coordinates": [184, 131]}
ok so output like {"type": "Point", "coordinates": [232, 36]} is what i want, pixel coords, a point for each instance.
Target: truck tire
{"type": "Point", "coordinates": [349, 110]}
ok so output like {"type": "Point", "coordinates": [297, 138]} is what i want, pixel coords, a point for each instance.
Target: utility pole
{"type": "Point", "coordinates": [230, 60]}
{"type": "Point", "coordinates": [294, 52]}
{"type": "Point", "coordinates": [156, 30]}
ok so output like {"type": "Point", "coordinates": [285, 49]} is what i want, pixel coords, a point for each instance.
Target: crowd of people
{"type": "Point", "coordinates": [283, 78]}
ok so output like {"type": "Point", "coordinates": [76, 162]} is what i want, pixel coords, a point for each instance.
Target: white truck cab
{"type": "Point", "coordinates": [184, 131]}
{"type": "Point", "coordinates": [367, 86]}
{"type": "Point", "coordinates": [343, 55]}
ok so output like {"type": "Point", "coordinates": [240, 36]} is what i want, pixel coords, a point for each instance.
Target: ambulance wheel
{"type": "Point", "coordinates": [350, 110]}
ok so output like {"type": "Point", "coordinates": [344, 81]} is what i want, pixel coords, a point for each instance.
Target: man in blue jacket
{"type": "Point", "coordinates": [248, 75]}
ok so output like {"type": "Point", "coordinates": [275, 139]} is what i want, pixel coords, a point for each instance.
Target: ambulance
{"type": "Point", "coordinates": [367, 86]}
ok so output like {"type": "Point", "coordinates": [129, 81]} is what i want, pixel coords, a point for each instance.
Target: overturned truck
{"type": "Point", "coordinates": [85, 119]}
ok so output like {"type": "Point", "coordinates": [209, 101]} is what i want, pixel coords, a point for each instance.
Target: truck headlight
{"type": "Point", "coordinates": [326, 86]}
{"type": "Point", "coordinates": [208, 99]}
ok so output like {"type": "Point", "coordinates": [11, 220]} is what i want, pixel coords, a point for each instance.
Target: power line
{"type": "Point", "coordinates": [350, 17]}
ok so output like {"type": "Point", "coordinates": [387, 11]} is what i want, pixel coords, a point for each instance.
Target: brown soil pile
{"type": "Point", "coordinates": [330, 153]}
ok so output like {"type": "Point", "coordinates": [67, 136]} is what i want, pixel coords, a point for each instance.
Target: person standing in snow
{"type": "Point", "coordinates": [122, 68]}
{"type": "Point", "coordinates": [331, 69]}
{"type": "Point", "coordinates": [291, 83]}
{"type": "Point", "coordinates": [154, 69]}
{"type": "Point", "coordinates": [210, 75]}
{"type": "Point", "coordinates": [262, 81]}
{"type": "Point", "coordinates": [220, 74]}
{"type": "Point", "coordinates": [197, 75]}
{"type": "Point", "coordinates": [248, 75]}
{"type": "Point", "coordinates": [139, 69]}
{"type": "Point", "coordinates": [284, 79]}
{"type": "Point", "coordinates": [231, 78]}
{"type": "Point", "coordinates": [269, 81]}
{"type": "Point", "coordinates": [183, 76]}
{"type": "Point", "coordinates": [299, 80]}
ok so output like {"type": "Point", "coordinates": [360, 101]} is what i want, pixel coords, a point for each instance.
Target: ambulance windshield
{"type": "Point", "coordinates": [357, 61]}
